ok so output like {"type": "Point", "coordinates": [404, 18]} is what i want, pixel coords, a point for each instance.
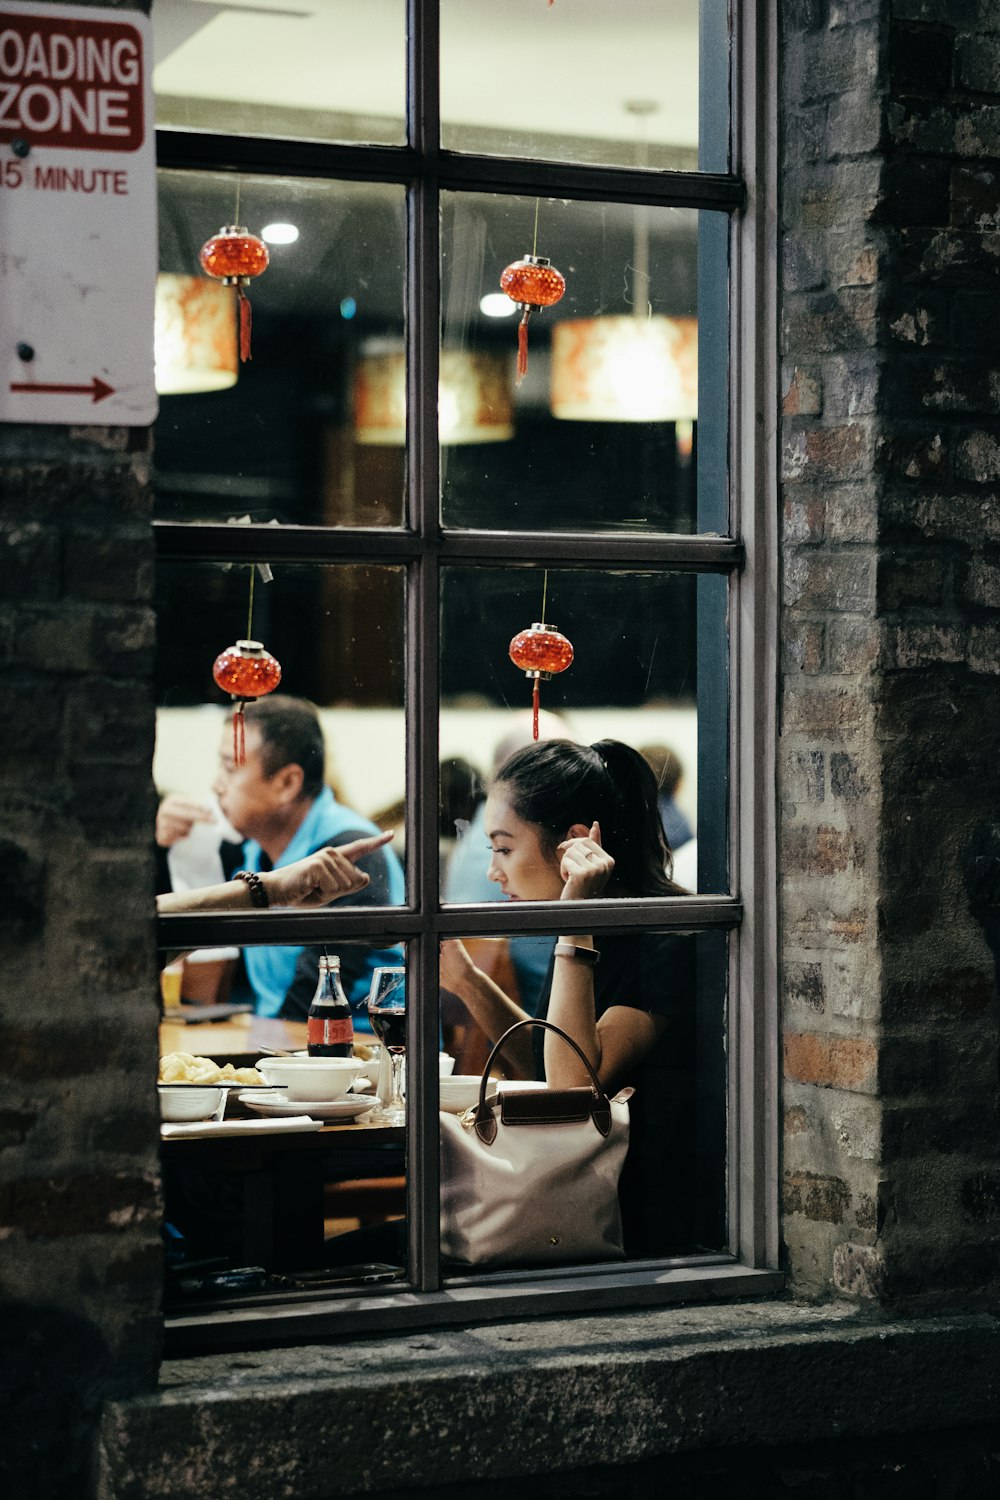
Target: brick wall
{"type": "Point", "coordinates": [888, 773]}
{"type": "Point", "coordinates": [79, 1223]}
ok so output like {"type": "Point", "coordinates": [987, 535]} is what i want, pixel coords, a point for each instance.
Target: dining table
{"type": "Point", "coordinates": [281, 1177]}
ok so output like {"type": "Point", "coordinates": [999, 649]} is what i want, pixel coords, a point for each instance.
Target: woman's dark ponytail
{"type": "Point", "coordinates": [643, 861]}
{"type": "Point", "coordinates": [556, 783]}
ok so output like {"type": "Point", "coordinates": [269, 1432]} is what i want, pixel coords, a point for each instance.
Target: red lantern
{"type": "Point", "coordinates": [234, 256]}
{"type": "Point", "coordinates": [532, 283]}
{"type": "Point", "coordinates": [540, 652]}
{"type": "Point", "coordinates": [245, 671]}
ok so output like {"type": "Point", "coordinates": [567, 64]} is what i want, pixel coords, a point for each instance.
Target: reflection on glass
{"type": "Point", "coordinates": [660, 995]}
{"type": "Point", "coordinates": [649, 669]}
{"type": "Point", "coordinates": [387, 1016]}
{"type": "Point", "coordinates": [566, 81]}
{"type": "Point", "coordinates": [605, 418]}
{"type": "Point", "coordinates": [273, 438]}
{"type": "Point", "coordinates": [311, 69]}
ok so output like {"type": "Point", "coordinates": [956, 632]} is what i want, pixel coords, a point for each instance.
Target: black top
{"type": "Point", "coordinates": [654, 972]}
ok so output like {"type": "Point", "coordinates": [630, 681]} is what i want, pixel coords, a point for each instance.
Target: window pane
{"type": "Point", "coordinates": [310, 69]}
{"type": "Point", "coordinates": [649, 670]}
{"type": "Point", "coordinates": [580, 80]}
{"type": "Point", "coordinates": [290, 1204]}
{"type": "Point", "coordinates": [337, 633]}
{"type": "Point", "coordinates": [273, 438]}
{"type": "Point", "coordinates": [602, 432]}
{"type": "Point", "coordinates": [668, 991]}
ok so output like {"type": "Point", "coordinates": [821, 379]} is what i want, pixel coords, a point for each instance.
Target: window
{"type": "Point", "coordinates": [415, 508]}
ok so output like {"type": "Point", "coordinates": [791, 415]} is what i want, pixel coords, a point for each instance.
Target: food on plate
{"type": "Point", "coordinates": [365, 1052]}
{"type": "Point", "coordinates": [184, 1067]}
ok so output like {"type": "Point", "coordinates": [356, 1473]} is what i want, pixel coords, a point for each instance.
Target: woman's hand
{"type": "Point", "coordinates": [585, 866]}
{"type": "Point", "coordinates": [457, 968]}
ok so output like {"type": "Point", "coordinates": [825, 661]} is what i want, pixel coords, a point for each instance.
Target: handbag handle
{"type": "Point", "coordinates": [486, 1125]}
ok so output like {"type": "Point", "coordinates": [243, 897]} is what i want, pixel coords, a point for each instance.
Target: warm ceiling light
{"type": "Point", "coordinates": [194, 335]}
{"type": "Point", "coordinates": [497, 305]}
{"type": "Point", "coordinates": [625, 369]}
{"type": "Point", "coordinates": [279, 234]}
{"type": "Point", "coordinates": [474, 398]}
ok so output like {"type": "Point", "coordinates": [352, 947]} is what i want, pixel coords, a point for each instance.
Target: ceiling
{"type": "Point", "coordinates": [566, 71]}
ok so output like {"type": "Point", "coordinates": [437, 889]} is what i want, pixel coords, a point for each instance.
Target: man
{"type": "Point", "coordinates": [280, 804]}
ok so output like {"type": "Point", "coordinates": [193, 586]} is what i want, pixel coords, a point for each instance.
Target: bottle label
{"type": "Point", "coordinates": [333, 1031]}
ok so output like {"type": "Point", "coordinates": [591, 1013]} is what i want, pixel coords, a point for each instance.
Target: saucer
{"type": "Point", "coordinates": [274, 1102]}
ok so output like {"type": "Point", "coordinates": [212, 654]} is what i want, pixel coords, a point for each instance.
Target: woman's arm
{"type": "Point", "coordinates": [490, 1007]}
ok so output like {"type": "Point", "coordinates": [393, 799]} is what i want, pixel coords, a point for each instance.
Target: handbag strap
{"type": "Point", "coordinates": [485, 1122]}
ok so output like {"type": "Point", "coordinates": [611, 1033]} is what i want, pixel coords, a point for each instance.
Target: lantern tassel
{"type": "Point", "coordinates": [522, 346]}
{"type": "Point", "coordinates": [239, 736]}
{"type": "Point", "coordinates": [534, 709]}
{"type": "Point", "coordinates": [246, 324]}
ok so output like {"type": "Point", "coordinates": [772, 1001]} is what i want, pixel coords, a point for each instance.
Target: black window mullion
{"type": "Point", "coordinates": [422, 649]}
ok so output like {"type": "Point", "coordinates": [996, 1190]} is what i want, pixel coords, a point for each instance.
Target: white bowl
{"type": "Point", "coordinates": [318, 1079]}
{"type": "Point", "coordinates": [459, 1093]}
{"type": "Point", "coordinates": [367, 1069]}
{"type": "Point", "coordinates": [446, 1064]}
{"type": "Point", "coordinates": [187, 1103]}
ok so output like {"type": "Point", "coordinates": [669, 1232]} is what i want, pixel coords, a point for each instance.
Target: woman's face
{"type": "Point", "coordinates": [523, 866]}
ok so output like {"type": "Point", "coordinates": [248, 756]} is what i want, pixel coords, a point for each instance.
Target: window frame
{"type": "Point", "coordinates": [746, 556]}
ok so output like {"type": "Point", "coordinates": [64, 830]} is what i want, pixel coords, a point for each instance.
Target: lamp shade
{"type": "Point", "coordinates": [474, 398]}
{"type": "Point", "coordinates": [194, 335]}
{"type": "Point", "coordinates": [625, 369]}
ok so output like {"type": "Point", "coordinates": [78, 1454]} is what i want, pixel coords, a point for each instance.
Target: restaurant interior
{"type": "Point", "coordinates": [600, 434]}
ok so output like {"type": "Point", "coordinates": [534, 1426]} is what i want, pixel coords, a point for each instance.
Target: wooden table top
{"type": "Point", "coordinates": [239, 1037]}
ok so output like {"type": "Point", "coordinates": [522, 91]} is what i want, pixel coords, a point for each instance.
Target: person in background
{"type": "Point", "coordinates": [666, 766]}
{"type": "Point", "coordinates": [278, 801]}
{"type": "Point", "coordinates": [467, 877]}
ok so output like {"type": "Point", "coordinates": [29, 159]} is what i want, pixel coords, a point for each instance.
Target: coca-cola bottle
{"type": "Point", "coordinates": [330, 1029]}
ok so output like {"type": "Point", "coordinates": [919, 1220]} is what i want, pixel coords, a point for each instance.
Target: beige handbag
{"type": "Point", "coordinates": [530, 1176]}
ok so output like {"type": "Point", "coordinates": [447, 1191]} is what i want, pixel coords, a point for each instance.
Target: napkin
{"type": "Point", "coordinates": [193, 1128]}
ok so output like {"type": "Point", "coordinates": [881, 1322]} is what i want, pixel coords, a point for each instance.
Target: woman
{"type": "Point", "coordinates": [567, 822]}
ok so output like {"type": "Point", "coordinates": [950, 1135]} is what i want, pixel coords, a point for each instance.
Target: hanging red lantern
{"type": "Point", "coordinates": [234, 256]}
{"type": "Point", "coordinates": [245, 671]}
{"type": "Point", "coordinates": [532, 283]}
{"type": "Point", "coordinates": [540, 652]}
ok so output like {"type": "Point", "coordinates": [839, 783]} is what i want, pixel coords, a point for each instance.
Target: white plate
{"type": "Point", "coordinates": [273, 1102]}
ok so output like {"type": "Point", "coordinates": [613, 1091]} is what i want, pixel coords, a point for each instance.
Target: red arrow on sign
{"type": "Point", "coordinates": [97, 390]}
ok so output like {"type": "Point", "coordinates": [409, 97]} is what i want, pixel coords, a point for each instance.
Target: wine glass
{"type": "Point", "coordinates": [387, 1013]}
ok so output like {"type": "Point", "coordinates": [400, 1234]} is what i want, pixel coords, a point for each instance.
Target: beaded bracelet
{"type": "Point", "coordinates": [258, 895]}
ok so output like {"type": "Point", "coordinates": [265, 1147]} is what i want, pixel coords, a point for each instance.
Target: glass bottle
{"type": "Point", "coordinates": [330, 1029]}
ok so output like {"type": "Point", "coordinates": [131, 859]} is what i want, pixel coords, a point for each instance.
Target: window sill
{"type": "Point", "coordinates": [529, 1398]}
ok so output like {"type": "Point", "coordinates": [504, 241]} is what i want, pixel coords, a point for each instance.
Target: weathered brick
{"type": "Point", "coordinates": [846, 779]}
{"type": "Point", "coordinates": [802, 393]}
{"type": "Point", "coordinates": [978, 62]}
{"type": "Point", "coordinates": [925, 645]}
{"type": "Point", "coordinates": [116, 569]}
{"type": "Point", "coordinates": [803, 985]}
{"type": "Point", "coordinates": [830, 710]}
{"type": "Point", "coordinates": [920, 57]}
{"type": "Point", "coordinates": [83, 1203]}
{"type": "Point", "coordinates": [796, 1120]}
{"type": "Point", "coordinates": [907, 581]}
{"type": "Point", "coordinates": [807, 776]}
{"type": "Point", "coordinates": [981, 1196]}
{"type": "Point", "coordinates": [976, 321]}
{"type": "Point", "coordinates": [853, 645]}
{"type": "Point", "coordinates": [839, 1062]}
{"type": "Point", "coordinates": [803, 646]}
{"type": "Point", "coordinates": [29, 562]}
{"type": "Point", "coordinates": [982, 584]}
{"type": "Point", "coordinates": [914, 191]}
{"type": "Point", "coordinates": [852, 386]}
{"type": "Point", "coordinates": [805, 515]}
{"type": "Point", "coordinates": [859, 1271]}
{"type": "Point", "coordinates": [815, 1196]}
{"type": "Point", "coordinates": [977, 458]}
{"type": "Point", "coordinates": [913, 455]}
{"type": "Point", "coordinates": [22, 892]}
{"type": "Point", "coordinates": [823, 850]}
{"type": "Point", "coordinates": [827, 322]}
{"type": "Point", "coordinates": [978, 131]}
{"type": "Point", "coordinates": [851, 513]}
{"type": "Point", "coordinates": [855, 124]}
{"type": "Point", "coordinates": [828, 580]}
{"type": "Point", "coordinates": [919, 125]}
{"type": "Point", "coordinates": [975, 197]}
{"type": "Point", "coordinates": [963, 991]}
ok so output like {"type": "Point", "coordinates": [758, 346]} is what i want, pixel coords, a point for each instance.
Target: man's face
{"type": "Point", "coordinates": [248, 796]}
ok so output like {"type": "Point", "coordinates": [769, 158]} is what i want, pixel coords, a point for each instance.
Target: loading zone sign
{"type": "Point", "coordinates": [78, 246]}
